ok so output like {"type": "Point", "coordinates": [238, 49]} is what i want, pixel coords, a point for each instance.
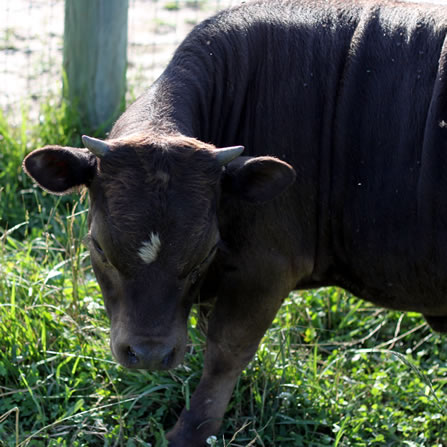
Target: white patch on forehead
{"type": "Point", "coordinates": [149, 250]}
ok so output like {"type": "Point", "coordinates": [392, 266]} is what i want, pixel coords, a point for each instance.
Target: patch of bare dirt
{"type": "Point", "coordinates": [31, 43]}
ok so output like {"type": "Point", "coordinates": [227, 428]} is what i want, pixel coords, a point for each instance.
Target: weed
{"type": "Point", "coordinates": [172, 6]}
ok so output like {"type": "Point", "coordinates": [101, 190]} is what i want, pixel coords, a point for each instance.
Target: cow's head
{"type": "Point", "coordinates": [153, 227]}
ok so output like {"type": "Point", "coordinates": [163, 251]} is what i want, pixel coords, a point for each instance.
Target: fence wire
{"type": "Point", "coordinates": [31, 44]}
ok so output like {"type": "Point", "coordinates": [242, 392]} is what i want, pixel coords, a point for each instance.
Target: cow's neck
{"type": "Point", "coordinates": [202, 94]}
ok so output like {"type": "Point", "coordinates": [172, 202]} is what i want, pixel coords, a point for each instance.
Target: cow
{"type": "Point", "coordinates": [288, 145]}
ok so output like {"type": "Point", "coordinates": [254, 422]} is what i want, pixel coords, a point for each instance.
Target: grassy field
{"type": "Point", "coordinates": [331, 371]}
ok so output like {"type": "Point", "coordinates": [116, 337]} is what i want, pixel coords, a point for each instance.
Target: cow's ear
{"type": "Point", "coordinates": [60, 169]}
{"type": "Point", "coordinates": [257, 179]}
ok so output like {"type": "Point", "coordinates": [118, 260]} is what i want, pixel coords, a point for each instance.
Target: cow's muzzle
{"type": "Point", "coordinates": [147, 353]}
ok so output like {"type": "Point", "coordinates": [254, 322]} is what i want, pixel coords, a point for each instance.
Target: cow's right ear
{"type": "Point", "coordinates": [257, 179]}
{"type": "Point", "coordinates": [60, 169]}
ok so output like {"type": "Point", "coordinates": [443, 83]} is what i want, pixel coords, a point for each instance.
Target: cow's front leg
{"type": "Point", "coordinates": [235, 329]}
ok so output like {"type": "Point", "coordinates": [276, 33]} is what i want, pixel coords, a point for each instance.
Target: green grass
{"type": "Point", "coordinates": [172, 6]}
{"type": "Point", "coordinates": [176, 6]}
{"type": "Point", "coordinates": [331, 371]}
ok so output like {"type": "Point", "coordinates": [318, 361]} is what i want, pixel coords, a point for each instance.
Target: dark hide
{"type": "Point", "coordinates": [353, 96]}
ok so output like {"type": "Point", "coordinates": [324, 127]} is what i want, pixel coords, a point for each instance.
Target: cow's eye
{"type": "Point", "coordinates": [92, 242]}
{"type": "Point", "coordinates": [195, 273]}
{"type": "Point", "coordinates": [97, 247]}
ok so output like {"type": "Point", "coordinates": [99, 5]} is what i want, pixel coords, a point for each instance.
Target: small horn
{"type": "Point", "coordinates": [226, 154]}
{"type": "Point", "coordinates": [95, 146]}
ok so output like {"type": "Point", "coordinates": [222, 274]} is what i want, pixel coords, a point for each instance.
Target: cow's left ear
{"type": "Point", "coordinates": [60, 169]}
{"type": "Point", "coordinates": [258, 179]}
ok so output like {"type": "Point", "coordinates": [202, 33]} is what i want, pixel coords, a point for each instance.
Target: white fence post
{"type": "Point", "coordinates": [95, 59]}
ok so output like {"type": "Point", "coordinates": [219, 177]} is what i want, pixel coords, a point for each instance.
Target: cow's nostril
{"type": "Point", "coordinates": [147, 356]}
{"type": "Point", "coordinates": [133, 358]}
{"type": "Point", "coordinates": [168, 358]}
